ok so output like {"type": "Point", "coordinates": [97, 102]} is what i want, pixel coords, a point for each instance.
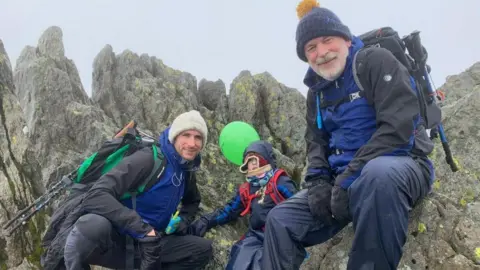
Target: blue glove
{"type": "Point", "coordinates": [173, 224]}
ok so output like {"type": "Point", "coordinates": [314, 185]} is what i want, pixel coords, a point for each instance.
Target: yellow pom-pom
{"type": "Point", "coordinates": [306, 6]}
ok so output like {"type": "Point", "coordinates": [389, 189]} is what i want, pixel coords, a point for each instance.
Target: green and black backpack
{"type": "Point", "coordinates": [109, 155]}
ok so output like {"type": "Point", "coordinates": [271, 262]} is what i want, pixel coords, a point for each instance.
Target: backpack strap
{"type": "Point", "coordinates": [357, 68]}
{"type": "Point", "coordinates": [153, 177]}
{"type": "Point", "coordinates": [357, 65]}
{"type": "Point", "coordinates": [158, 168]}
{"type": "Point", "coordinates": [129, 243]}
{"type": "Point", "coordinates": [272, 188]}
{"type": "Point", "coordinates": [246, 197]}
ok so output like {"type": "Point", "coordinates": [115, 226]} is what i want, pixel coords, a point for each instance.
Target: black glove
{"type": "Point", "coordinates": [150, 247]}
{"type": "Point", "coordinates": [182, 228]}
{"type": "Point", "coordinates": [319, 197]}
{"type": "Point", "coordinates": [199, 227]}
{"type": "Point", "coordinates": [339, 204]}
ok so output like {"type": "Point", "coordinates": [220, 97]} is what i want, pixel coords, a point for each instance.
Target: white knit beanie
{"type": "Point", "coordinates": [188, 120]}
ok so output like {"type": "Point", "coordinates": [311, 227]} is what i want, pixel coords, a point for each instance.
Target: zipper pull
{"type": "Point", "coordinates": [336, 83]}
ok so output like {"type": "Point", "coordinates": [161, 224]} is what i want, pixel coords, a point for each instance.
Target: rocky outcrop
{"type": "Point", "coordinates": [62, 122]}
{"type": "Point", "coordinates": [50, 124]}
{"type": "Point", "coordinates": [20, 178]}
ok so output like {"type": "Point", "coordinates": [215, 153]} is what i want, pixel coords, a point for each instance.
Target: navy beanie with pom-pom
{"type": "Point", "coordinates": [316, 21]}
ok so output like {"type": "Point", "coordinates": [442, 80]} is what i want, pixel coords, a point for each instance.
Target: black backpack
{"type": "Point", "coordinates": [413, 55]}
{"type": "Point", "coordinates": [415, 62]}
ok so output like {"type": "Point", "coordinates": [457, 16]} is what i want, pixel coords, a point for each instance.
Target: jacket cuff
{"type": "Point", "coordinates": [346, 179]}
{"type": "Point", "coordinates": [313, 173]}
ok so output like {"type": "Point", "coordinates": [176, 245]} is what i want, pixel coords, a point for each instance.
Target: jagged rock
{"type": "Point", "coordinates": [269, 105]}
{"type": "Point", "coordinates": [60, 125]}
{"type": "Point", "coordinates": [284, 110]}
{"type": "Point", "coordinates": [20, 176]}
{"type": "Point", "coordinates": [213, 95]}
{"type": "Point", "coordinates": [62, 121]}
{"type": "Point", "coordinates": [51, 43]}
{"type": "Point", "coordinates": [129, 87]}
{"type": "Point", "coordinates": [459, 86]}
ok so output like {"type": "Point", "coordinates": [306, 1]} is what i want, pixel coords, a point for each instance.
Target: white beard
{"type": "Point", "coordinates": [337, 66]}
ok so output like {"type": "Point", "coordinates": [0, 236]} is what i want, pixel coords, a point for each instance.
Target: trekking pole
{"type": "Point", "coordinates": [25, 214]}
{"type": "Point", "coordinates": [131, 124]}
{"type": "Point", "coordinates": [443, 137]}
{"type": "Point", "coordinates": [415, 48]}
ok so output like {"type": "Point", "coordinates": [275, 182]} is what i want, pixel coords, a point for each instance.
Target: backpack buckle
{"type": "Point", "coordinates": [354, 96]}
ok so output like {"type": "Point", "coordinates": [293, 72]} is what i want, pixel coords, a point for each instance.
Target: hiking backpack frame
{"type": "Point", "coordinates": [416, 63]}
{"type": "Point", "coordinates": [125, 142]}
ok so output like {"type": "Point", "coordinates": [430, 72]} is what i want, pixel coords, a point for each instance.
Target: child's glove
{"type": "Point", "coordinates": [173, 224]}
{"type": "Point", "coordinates": [199, 227]}
{"type": "Point", "coordinates": [307, 256]}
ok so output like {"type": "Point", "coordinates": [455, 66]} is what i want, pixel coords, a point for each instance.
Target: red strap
{"type": "Point", "coordinates": [246, 197]}
{"type": "Point", "coordinates": [272, 189]}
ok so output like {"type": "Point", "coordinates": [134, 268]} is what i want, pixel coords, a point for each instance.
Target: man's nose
{"type": "Point", "coordinates": [191, 141]}
{"type": "Point", "coordinates": [321, 50]}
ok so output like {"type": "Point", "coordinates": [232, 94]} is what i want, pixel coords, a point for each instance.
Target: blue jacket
{"type": "Point", "coordinates": [347, 127]}
{"type": "Point", "coordinates": [155, 206]}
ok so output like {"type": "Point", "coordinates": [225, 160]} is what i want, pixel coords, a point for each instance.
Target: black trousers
{"type": "Point", "coordinates": [94, 241]}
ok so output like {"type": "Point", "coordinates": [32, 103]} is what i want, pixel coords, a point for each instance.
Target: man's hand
{"type": "Point", "coordinates": [339, 204]}
{"type": "Point", "coordinates": [150, 248]}
{"type": "Point", "coordinates": [319, 197]}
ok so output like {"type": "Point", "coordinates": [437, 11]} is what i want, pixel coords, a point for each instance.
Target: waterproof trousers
{"type": "Point", "coordinates": [379, 200]}
{"type": "Point", "coordinates": [247, 253]}
{"type": "Point", "coordinates": [94, 241]}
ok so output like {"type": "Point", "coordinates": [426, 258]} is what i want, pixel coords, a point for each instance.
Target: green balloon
{"type": "Point", "coordinates": [234, 138]}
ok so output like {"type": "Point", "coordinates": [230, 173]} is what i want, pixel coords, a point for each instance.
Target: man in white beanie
{"type": "Point", "coordinates": [108, 222]}
{"type": "Point", "coordinates": [188, 133]}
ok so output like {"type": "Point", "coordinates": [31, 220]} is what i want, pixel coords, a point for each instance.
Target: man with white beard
{"type": "Point", "coordinates": [367, 151]}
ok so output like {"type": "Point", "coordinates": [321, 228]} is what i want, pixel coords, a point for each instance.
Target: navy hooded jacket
{"type": "Point", "coordinates": [154, 207]}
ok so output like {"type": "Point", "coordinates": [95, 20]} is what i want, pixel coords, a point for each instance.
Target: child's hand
{"type": "Point", "coordinates": [199, 227]}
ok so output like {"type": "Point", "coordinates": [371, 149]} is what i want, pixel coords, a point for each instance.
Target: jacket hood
{"type": "Point", "coordinates": [315, 82]}
{"type": "Point", "coordinates": [263, 148]}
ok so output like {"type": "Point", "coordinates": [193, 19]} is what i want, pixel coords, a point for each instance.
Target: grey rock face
{"type": "Point", "coordinates": [61, 120]}
{"type": "Point", "coordinates": [20, 175]}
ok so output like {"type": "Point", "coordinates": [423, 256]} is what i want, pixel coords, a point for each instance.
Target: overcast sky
{"type": "Point", "coordinates": [217, 39]}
